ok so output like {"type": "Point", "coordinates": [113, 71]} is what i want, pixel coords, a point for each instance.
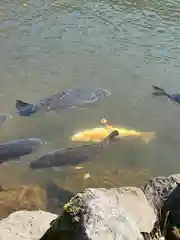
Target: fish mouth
{"type": "Point", "coordinates": [40, 165]}
{"type": "Point", "coordinates": [34, 143]}
{"type": "Point", "coordinates": [34, 165]}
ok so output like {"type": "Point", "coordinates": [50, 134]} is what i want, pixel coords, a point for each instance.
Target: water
{"type": "Point", "coordinates": [125, 46]}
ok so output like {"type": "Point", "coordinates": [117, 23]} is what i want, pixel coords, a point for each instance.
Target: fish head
{"type": "Point", "coordinates": [41, 162]}
{"type": "Point", "coordinates": [100, 93]}
{"type": "Point", "coordinates": [32, 143]}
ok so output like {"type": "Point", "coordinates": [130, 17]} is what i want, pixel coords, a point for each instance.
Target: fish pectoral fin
{"type": "Point", "coordinates": [20, 104]}
{"type": "Point", "coordinates": [147, 136]}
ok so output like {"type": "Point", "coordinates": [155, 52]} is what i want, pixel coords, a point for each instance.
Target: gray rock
{"type": "Point", "coordinates": [163, 194]}
{"type": "Point", "coordinates": [25, 225]}
{"type": "Point", "coordinates": [158, 189]}
{"type": "Point", "coordinates": [107, 214]}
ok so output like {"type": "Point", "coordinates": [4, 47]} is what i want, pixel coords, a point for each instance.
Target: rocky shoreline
{"type": "Point", "coordinates": [125, 213]}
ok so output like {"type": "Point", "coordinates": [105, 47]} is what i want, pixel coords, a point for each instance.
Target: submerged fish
{"type": "Point", "coordinates": [17, 148]}
{"type": "Point", "coordinates": [72, 156]}
{"type": "Point", "coordinates": [100, 133]}
{"type": "Point", "coordinates": [69, 98]}
{"type": "Point", "coordinates": [175, 97]}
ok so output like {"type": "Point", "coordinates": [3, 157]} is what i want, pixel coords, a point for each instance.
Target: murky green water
{"type": "Point", "coordinates": [47, 46]}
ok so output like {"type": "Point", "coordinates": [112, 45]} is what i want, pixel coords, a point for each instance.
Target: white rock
{"type": "Point", "coordinates": [25, 225]}
{"type": "Point", "coordinates": [107, 214]}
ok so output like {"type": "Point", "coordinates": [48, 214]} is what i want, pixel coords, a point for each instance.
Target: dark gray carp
{"type": "Point", "coordinates": [72, 156]}
{"type": "Point", "coordinates": [17, 148]}
{"type": "Point", "coordinates": [70, 98]}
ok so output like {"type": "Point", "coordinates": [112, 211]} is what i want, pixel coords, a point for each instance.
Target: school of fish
{"type": "Point", "coordinates": [100, 137]}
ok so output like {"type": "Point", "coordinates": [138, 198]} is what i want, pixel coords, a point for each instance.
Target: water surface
{"type": "Point", "coordinates": [125, 46]}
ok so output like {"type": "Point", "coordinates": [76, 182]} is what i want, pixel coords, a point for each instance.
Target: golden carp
{"type": "Point", "coordinates": [99, 133]}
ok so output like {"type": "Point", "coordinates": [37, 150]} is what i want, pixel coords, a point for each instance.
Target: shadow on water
{"type": "Point", "coordinates": [169, 215]}
{"type": "Point", "coordinates": [63, 228]}
{"type": "Point", "coordinates": [57, 197]}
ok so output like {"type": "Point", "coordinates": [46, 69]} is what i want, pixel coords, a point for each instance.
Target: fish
{"type": "Point", "coordinates": [72, 156]}
{"type": "Point", "coordinates": [66, 99]}
{"type": "Point", "coordinates": [175, 97]}
{"type": "Point", "coordinates": [99, 133]}
{"type": "Point", "coordinates": [4, 117]}
{"type": "Point", "coordinates": [14, 149]}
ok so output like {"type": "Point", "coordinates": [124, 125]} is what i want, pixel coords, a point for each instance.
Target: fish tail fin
{"type": "Point", "coordinates": [20, 104]}
{"type": "Point", "coordinates": [110, 138]}
{"type": "Point", "coordinates": [25, 109]}
{"type": "Point", "coordinates": [147, 136]}
{"type": "Point", "coordinates": [159, 91]}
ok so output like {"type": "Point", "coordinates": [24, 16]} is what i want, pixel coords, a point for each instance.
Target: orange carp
{"type": "Point", "coordinates": [99, 133]}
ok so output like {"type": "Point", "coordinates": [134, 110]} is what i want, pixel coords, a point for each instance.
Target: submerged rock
{"type": "Point", "coordinates": [30, 197]}
{"type": "Point", "coordinates": [116, 213]}
{"type": "Point", "coordinates": [25, 225]}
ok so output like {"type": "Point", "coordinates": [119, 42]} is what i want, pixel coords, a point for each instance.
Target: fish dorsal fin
{"type": "Point", "coordinates": [20, 104]}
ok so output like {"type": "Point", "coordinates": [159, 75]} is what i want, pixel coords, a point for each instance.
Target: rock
{"type": "Point", "coordinates": [30, 197]}
{"type": "Point", "coordinates": [25, 225]}
{"type": "Point", "coordinates": [169, 217]}
{"type": "Point", "coordinates": [95, 214]}
{"type": "Point", "coordinates": [158, 189]}
{"type": "Point", "coordinates": [163, 193]}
